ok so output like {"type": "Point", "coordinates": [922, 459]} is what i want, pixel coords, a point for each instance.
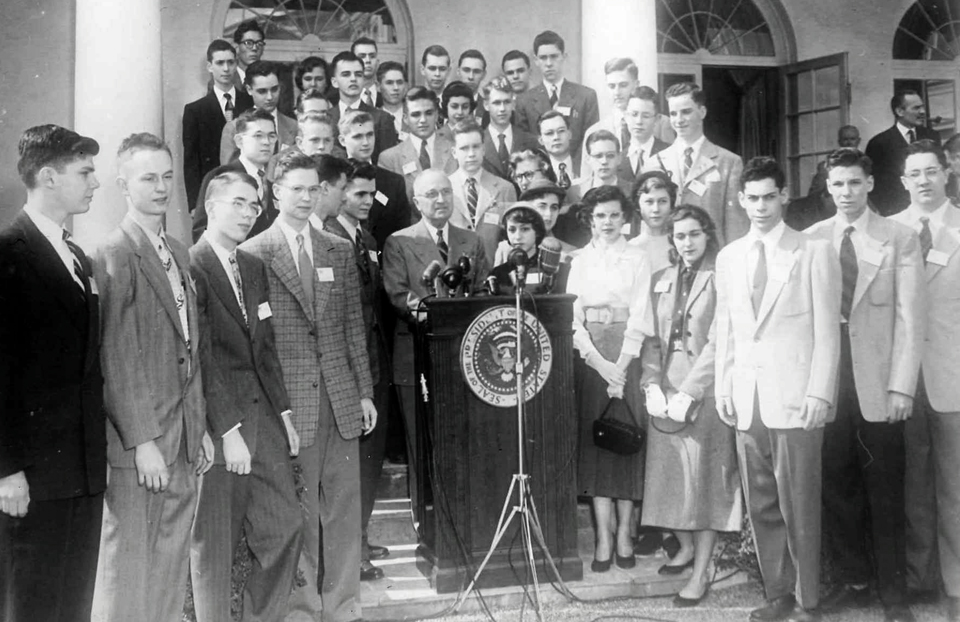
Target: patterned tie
{"type": "Point", "coordinates": [553, 97]}
{"type": "Point", "coordinates": [624, 135]}
{"type": "Point", "coordinates": [849, 271]}
{"type": "Point", "coordinates": [261, 182]}
{"type": "Point", "coordinates": [911, 136]}
{"type": "Point", "coordinates": [687, 161]}
{"type": "Point", "coordinates": [177, 284]}
{"type": "Point", "coordinates": [472, 197]}
{"type": "Point", "coordinates": [78, 276]}
{"type": "Point", "coordinates": [442, 246]}
{"type": "Point", "coordinates": [228, 107]}
{"type": "Point", "coordinates": [502, 150]}
{"type": "Point", "coordinates": [364, 255]}
{"type": "Point", "coordinates": [232, 258]}
{"type": "Point", "coordinates": [563, 180]}
{"type": "Point", "coordinates": [759, 277]}
{"type": "Point", "coordinates": [367, 97]}
{"type": "Point", "coordinates": [424, 156]}
{"type": "Point", "coordinates": [926, 238]}
{"type": "Point", "coordinates": [306, 268]}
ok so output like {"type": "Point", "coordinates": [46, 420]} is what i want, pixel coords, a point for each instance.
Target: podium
{"type": "Point", "coordinates": [467, 450]}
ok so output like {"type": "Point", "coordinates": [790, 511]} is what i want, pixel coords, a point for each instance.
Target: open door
{"type": "Point", "coordinates": [816, 103]}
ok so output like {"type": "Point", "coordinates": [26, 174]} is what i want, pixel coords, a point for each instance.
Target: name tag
{"type": "Point", "coordinates": [873, 256]}
{"type": "Point", "coordinates": [713, 176]}
{"type": "Point", "coordinates": [409, 167]}
{"type": "Point", "coordinates": [490, 218]}
{"type": "Point", "coordinates": [373, 256]}
{"type": "Point", "coordinates": [663, 287]}
{"type": "Point", "coordinates": [325, 275]}
{"type": "Point", "coordinates": [939, 258]}
{"type": "Point", "coordinates": [625, 229]}
{"type": "Point", "coordinates": [381, 197]}
{"type": "Point", "coordinates": [263, 311]}
{"type": "Point", "coordinates": [93, 286]}
{"type": "Point", "coordinates": [533, 278]}
{"type": "Point", "coordinates": [564, 110]}
{"type": "Point", "coordinates": [696, 187]}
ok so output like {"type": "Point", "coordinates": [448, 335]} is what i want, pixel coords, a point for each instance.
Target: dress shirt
{"type": "Point", "coordinates": [657, 248]}
{"type": "Point", "coordinates": [397, 117]}
{"type": "Point", "coordinates": [223, 102]}
{"type": "Point", "coordinates": [291, 235]}
{"type": "Point", "coordinates": [344, 107]}
{"type": "Point", "coordinates": [242, 74]}
{"type": "Point", "coordinates": [635, 149]}
{"type": "Point", "coordinates": [372, 89]}
{"type": "Point", "coordinates": [904, 131]}
{"type": "Point", "coordinates": [857, 236]}
{"type": "Point", "coordinates": [507, 137]}
{"type": "Point", "coordinates": [54, 234]}
{"type": "Point", "coordinates": [558, 85]}
{"type": "Point", "coordinates": [555, 164]}
{"type": "Point", "coordinates": [913, 215]}
{"type": "Point", "coordinates": [348, 226]}
{"type": "Point", "coordinates": [770, 240]}
{"type": "Point", "coordinates": [696, 145]}
{"type": "Point", "coordinates": [431, 142]}
{"type": "Point", "coordinates": [253, 170]}
{"type": "Point", "coordinates": [433, 232]}
{"type": "Point", "coordinates": [224, 256]}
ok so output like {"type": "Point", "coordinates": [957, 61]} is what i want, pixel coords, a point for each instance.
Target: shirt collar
{"type": "Point", "coordinates": [232, 92]}
{"type": "Point", "coordinates": [344, 107]}
{"type": "Point", "coordinates": [50, 230]}
{"type": "Point", "coordinates": [860, 224]}
{"type": "Point", "coordinates": [558, 85]}
{"type": "Point", "coordinates": [507, 135]}
{"type": "Point", "coordinates": [348, 226]}
{"type": "Point", "coordinates": [222, 254]}
{"type": "Point", "coordinates": [250, 167]}
{"type": "Point", "coordinates": [433, 232]}
{"type": "Point", "coordinates": [771, 238]}
{"type": "Point", "coordinates": [904, 129]}
{"type": "Point", "coordinates": [914, 214]}
{"type": "Point", "coordinates": [416, 142]}
{"type": "Point", "coordinates": [695, 145]}
{"type": "Point", "coordinates": [568, 161]}
{"type": "Point", "coordinates": [646, 147]}
{"type": "Point", "coordinates": [291, 236]}
{"type": "Point", "coordinates": [155, 237]}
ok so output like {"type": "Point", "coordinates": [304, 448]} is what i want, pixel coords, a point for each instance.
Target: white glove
{"type": "Point", "coordinates": [656, 402]}
{"type": "Point", "coordinates": [608, 370]}
{"type": "Point", "coordinates": [679, 406]}
{"type": "Point", "coordinates": [615, 391]}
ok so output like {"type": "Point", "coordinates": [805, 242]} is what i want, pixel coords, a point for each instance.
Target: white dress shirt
{"type": "Point", "coordinates": [291, 236]}
{"type": "Point", "coordinates": [253, 170]}
{"type": "Point", "coordinates": [433, 232]}
{"type": "Point", "coordinates": [904, 131]}
{"type": "Point", "coordinates": [223, 101]}
{"type": "Point", "coordinates": [913, 214]}
{"type": "Point", "coordinates": [344, 107]}
{"type": "Point", "coordinates": [682, 146]}
{"type": "Point", "coordinates": [555, 164]}
{"type": "Point", "coordinates": [771, 240]}
{"type": "Point", "coordinates": [348, 226]}
{"type": "Point", "coordinates": [242, 73]}
{"type": "Point", "coordinates": [550, 87]}
{"type": "Point", "coordinates": [507, 137]}
{"type": "Point", "coordinates": [636, 149]}
{"type": "Point", "coordinates": [54, 234]}
{"type": "Point", "coordinates": [431, 143]}
{"type": "Point", "coordinates": [224, 256]}
{"type": "Point", "coordinates": [857, 236]}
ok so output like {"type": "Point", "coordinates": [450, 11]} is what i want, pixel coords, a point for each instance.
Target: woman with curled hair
{"type": "Point", "coordinates": [529, 166]}
{"type": "Point", "coordinates": [524, 229]}
{"type": "Point", "coordinates": [655, 195]}
{"type": "Point", "coordinates": [611, 319]}
{"type": "Point", "coordinates": [692, 483]}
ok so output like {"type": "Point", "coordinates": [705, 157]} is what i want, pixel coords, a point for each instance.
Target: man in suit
{"type": "Point", "coordinates": [621, 75]}
{"type": "Point", "coordinates": [263, 85]}
{"type": "Point", "coordinates": [316, 133]}
{"type": "Point", "coordinates": [315, 299]}
{"type": "Point", "coordinates": [643, 108]}
{"type": "Point", "coordinates": [951, 149]}
{"type": "Point", "coordinates": [554, 133]}
{"type": "Point", "coordinates": [366, 50]}
{"type": "Point", "coordinates": [932, 434]}
{"type": "Point", "coordinates": [472, 69]}
{"type": "Point", "coordinates": [888, 150]}
{"type": "Point", "coordinates": [423, 148]}
{"type": "Point", "coordinates": [250, 41]}
{"type": "Point", "coordinates": [502, 137]}
{"type": "Point", "coordinates": [603, 153]}
{"type": "Point", "coordinates": [434, 68]}
{"type": "Point", "coordinates": [707, 175]}
{"type": "Point", "coordinates": [53, 463]}
{"type": "Point", "coordinates": [347, 78]}
{"type": "Point", "coordinates": [848, 136]}
{"type": "Point", "coordinates": [251, 484]}
{"type": "Point", "coordinates": [778, 292]}
{"type": "Point", "coordinates": [882, 314]}
{"type": "Point", "coordinates": [479, 198]}
{"type": "Point", "coordinates": [255, 140]}
{"type": "Point", "coordinates": [392, 82]}
{"type": "Point", "coordinates": [156, 439]}
{"type": "Point", "coordinates": [203, 119]}
{"type": "Point", "coordinates": [516, 67]}
{"type": "Point", "coordinates": [576, 102]}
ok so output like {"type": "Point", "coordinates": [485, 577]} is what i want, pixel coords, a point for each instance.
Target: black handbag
{"type": "Point", "coordinates": [615, 434]}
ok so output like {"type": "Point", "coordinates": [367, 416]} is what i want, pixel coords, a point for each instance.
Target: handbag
{"type": "Point", "coordinates": [616, 435]}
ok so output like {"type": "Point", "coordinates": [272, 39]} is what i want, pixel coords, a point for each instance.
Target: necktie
{"type": "Point", "coordinates": [624, 135]}
{"type": "Point", "coordinates": [177, 285]}
{"type": "Point", "coordinates": [911, 136]}
{"type": "Point", "coordinates": [239, 283]}
{"type": "Point", "coordinates": [553, 97]}
{"type": "Point", "coordinates": [926, 238]}
{"type": "Point", "coordinates": [78, 276]}
{"type": "Point", "coordinates": [227, 107]}
{"type": "Point", "coordinates": [502, 150]}
{"type": "Point", "coordinates": [563, 180]}
{"type": "Point", "coordinates": [687, 161]}
{"type": "Point", "coordinates": [639, 167]}
{"type": "Point", "coordinates": [306, 268]}
{"type": "Point", "coordinates": [472, 197]}
{"type": "Point", "coordinates": [442, 246]}
{"type": "Point", "coordinates": [424, 156]}
{"type": "Point", "coordinates": [849, 271]}
{"type": "Point", "coordinates": [364, 255]}
{"type": "Point", "coordinates": [261, 178]}
{"type": "Point", "coordinates": [759, 277]}
{"type": "Point", "coordinates": [367, 97]}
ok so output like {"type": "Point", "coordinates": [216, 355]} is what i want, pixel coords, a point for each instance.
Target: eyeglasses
{"type": "Point", "coordinates": [253, 44]}
{"type": "Point", "coordinates": [261, 137]}
{"type": "Point", "coordinates": [242, 207]}
{"type": "Point", "coordinates": [929, 173]}
{"type": "Point", "coordinates": [434, 194]}
{"type": "Point", "coordinates": [528, 176]}
{"type": "Point", "coordinates": [311, 191]}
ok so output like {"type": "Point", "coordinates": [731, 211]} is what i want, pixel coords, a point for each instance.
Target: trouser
{"type": "Point", "coordinates": [372, 449]}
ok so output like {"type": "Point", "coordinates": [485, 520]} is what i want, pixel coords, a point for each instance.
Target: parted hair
{"type": "Point", "coordinates": [434, 50]}
{"type": "Point", "coordinates": [360, 170]}
{"type": "Point", "coordinates": [602, 194]}
{"type": "Point", "coordinates": [763, 167]}
{"type": "Point", "coordinates": [390, 65]}
{"type": "Point", "coordinates": [290, 161]}
{"type": "Point", "coordinates": [621, 64]}
{"type": "Point", "coordinates": [683, 212]}
{"type": "Point", "coordinates": [253, 114]}
{"type": "Point", "coordinates": [307, 96]}
{"type": "Point", "coordinates": [53, 146]}
{"type": "Point", "coordinates": [419, 93]}
{"type": "Point", "coordinates": [548, 37]}
{"type": "Point", "coordinates": [687, 88]}
{"type": "Point", "coordinates": [601, 135]}
{"type": "Point", "coordinates": [353, 117]}
{"type": "Point", "coordinates": [846, 157]}
{"type": "Point", "coordinates": [330, 168]}
{"type": "Point", "coordinates": [927, 146]}
{"type": "Point", "coordinates": [219, 45]}
{"type": "Point", "coordinates": [221, 181]}
{"type": "Point", "coordinates": [260, 69]}
{"type": "Point", "coordinates": [497, 83]}
{"type": "Point", "coordinates": [475, 54]}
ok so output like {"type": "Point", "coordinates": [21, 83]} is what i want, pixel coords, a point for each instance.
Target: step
{"type": "Point", "coordinates": [393, 482]}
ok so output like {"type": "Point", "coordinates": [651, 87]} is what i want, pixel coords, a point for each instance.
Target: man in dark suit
{"type": "Point", "coordinates": [366, 50]}
{"type": "Point", "coordinates": [348, 79]}
{"type": "Point", "coordinates": [392, 84]}
{"type": "Point", "coordinates": [434, 68]}
{"type": "Point", "coordinates": [553, 129]}
{"type": "Point", "coordinates": [315, 300]}
{"type": "Point", "coordinates": [516, 67]}
{"type": "Point", "coordinates": [888, 150]}
{"type": "Point", "coordinates": [156, 439]}
{"type": "Point", "coordinates": [250, 41]}
{"type": "Point", "coordinates": [472, 69]}
{"type": "Point", "coordinates": [502, 137]}
{"type": "Point", "coordinates": [576, 102]}
{"type": "Point", "coordinates": [255, 139]}
{"type": "Point", "coordinates": [53, 468]}
{"type": "Point", "coordinates": [641, 113]}
{"type": "Point", "coordinates": [203, 119]}
{"type": "Point", "coordinates": [251, 484]}
{"type": "Point", "coordinates": [263, 86]}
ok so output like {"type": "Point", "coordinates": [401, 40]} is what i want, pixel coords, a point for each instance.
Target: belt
{"type": "Point", "coordinates": [606, 315]}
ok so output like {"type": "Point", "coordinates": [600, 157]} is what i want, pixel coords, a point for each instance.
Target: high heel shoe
{"type": "Point", "coordinates": [670, 570]}
{"type": "Point", "coordinates": [600, 566]}
{"type": "Point", "coordinates": [683, 601]}
{"type": "Point", "coordinates": [626, 561]}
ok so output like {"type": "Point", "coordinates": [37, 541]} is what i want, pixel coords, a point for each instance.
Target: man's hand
{"type": "Point", "coordinates": [152, 471]}
{"type": "Point", "coordinates": [726, 412]}
{"type": "Point", "coordinates": [236, 454]}
{"type": "Point", "coordinates": [899, 406]}
{"type": "Point", "coordinates": [369, 415]}
{"type": "Point", "coordinates": [14, 494]}
{"type": "Point", "coordinates": [293, 439]}
{"type": "Point", "coordinates": [205, 455]}
{"type": "Point", "coordinates": [814, 412]}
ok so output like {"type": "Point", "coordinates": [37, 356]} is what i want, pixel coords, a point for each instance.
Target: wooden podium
{"type": "Point", "coordinates": [467, 452]}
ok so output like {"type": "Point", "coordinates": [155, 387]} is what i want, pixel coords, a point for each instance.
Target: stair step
{"type": "Point", "coordinates": [392, 524]}
{"type": "Point", "coordinates": [393, 482]}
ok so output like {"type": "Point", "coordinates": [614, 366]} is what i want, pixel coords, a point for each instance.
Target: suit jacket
{"type": "Point", "coordinates": [791, 348]}
{"type": "Point", "coordinates": [264, 220]}
{"type": "Point", "coordinates": [52, 423]}
{"type": "Point", "coordinates": [713, 183]}
{"type": "Point", "coordinates": [491, 158]}
{"type": "Point", "coordinates": [203, 123]}
{"type": "Point", "coordinates": [152, 388]}
{"type": "Point", "coordinates": [392, 209]}
{"type": "Point", "coordinates": [607, 123]}
{"type": "Point", "coordinates": [888, 314]}
{"type": "Point", "coordinates": [319, 341]}
{"type": "Point", "coordinates": [385, 134]}
{"type": "Point", "coordinates": [888, 151]}
{"type": "Point", "coordinates": [404, 159]}
{"type": "Point", "coordinates": [286, 137]}
{"type": "Point", "coordinates": [580, 100]}
{"type": "Point", "coordinates": [494, 197]}
{"type": "Point", "coordinates": [625, 169]}
{"type": "Point", "coordinates": [242, 379]}
{"type": "Point", "coordinates": [940, 359]}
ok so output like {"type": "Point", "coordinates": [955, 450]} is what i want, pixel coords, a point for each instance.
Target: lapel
{"type": "Point", "coordinates": [461, 213]}
{"type": "Point", "coordinates": [666, 161]}
{"type": "Point", "coordinates": [220, 280]}
{"type": "Point", "coordinates": [212, 105]}
{"type": "Point", "coordinates": [250, 275]}
{"type": "Point", "coordinates": [700, 280]}
{"type": "Point", "coordinates": [491, 156]}
{"type": "Point", "coordinates": [45, 261]}
{"type": "Point", "coordinates": [285, 267]}
{"type": "Point", "coordinates": [946, 241]}
{"type": "Point", "coordinates": [875, 239]}
{"type": "Point", "coordinates": [322, 258]}
{"type": "Point", "coordinates": [425, 249]}
{"type": "Point", "coordinates": [780, 268]}
{"type": "Point", "coordinates": [706, 160]}
{"type": "Point", "coordinates": [541, 99]}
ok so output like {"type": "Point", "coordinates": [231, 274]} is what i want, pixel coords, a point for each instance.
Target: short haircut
{"type": "Point", "coordinates": [330, 168]}
{"type": "Point", "coordinates": [621, 64]}
{"type": "Point", "coordinates": [306, 66]}
{"type": "Point", "coordinates": [344, 57]}
{"type": "Point", "coordinates": [533, 155]}
{"type": "Point", "coordinates": [515, 55]}
{"type": "Point", "coordinates": [497, 83]}
{"type": "Point", "coordinates": [844, 128]}
{"type": "Point", "coordinates": [291, 160]}
{"type": "Point", "coordinates": [421, 93]}
{"type": "Point", "coordinates": [248, 117]}
{"type": "Point", "coordinates": [141, 141]}
{"type": "Point", "coordinates": [221, 181]}
{"type": "Point", "coordinates": [260, 69]}
{"type": "Point", "coordinates": [434, 50]}
{"type": "Point", "coordinates": [899, 98]}
{"type": "Point", "coordinates": [683, 212]}
{"type": "Point", "coordinates": [551, 114]}
{"type": "Point", "coordinates": [251, 25]}
{"type": "Point", "coordinates": [315, 117]}
{"type": "Point", "coordinates": [53, 146]}
{"type": "Point", "coordinates": [525, 215]}
{"type": "Point", "coordinates": [687, 88]}
{"type": "Point", "coordinates": [601, 135]}
{"type": "Point", "coordinates": [646, 94]}
{"type": "Point", "coordinates": [219, 45]}
{"type": "Point", "coordinates": [548, 37]}
{"type": "Point", "coordinates": [471, 53]}
{"type": "Point", "coordinates": [603, 194]}
{"type": "Point", "coordinates": [843, 158]}
{"type": "Point", "coordinates": [307, 96]}
{"type": "Point", "coordinates": [952, 146]}
{"type": "Point", "coordinates": [363, 41]}
{"type": "Point", "coordinates": [760, 168]}
{"type": "Point", "coordinates": [538, 190]}
{"type": "Point", "coordinates": [353, 117]}
{"type": "Point", "coordinates": [457, 89]}
{"type": "Point", "coordinates": [390, 65]}
{"type": "Point", "coordinates": [654, 180]}
{"type": "Point", "coordinates": [467, 126]}
{"type": "Point", "coordinates": [926, 146]}
{"type": "Point", "coordinates": [360, 170]}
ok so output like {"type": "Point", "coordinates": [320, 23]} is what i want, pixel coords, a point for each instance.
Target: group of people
{"type": "Point", "coordinates": [156, 401]}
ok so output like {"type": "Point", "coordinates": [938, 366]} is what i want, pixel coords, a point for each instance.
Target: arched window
{"type": "Point", "coordinates": [721, 27]}
{"type": "Point", "coordinates": [928, 31]}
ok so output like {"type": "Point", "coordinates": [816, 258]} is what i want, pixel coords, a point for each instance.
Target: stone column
{"type": "Point", "coordinates": [612, 28]}
{"type": "Point", "coordinates": [118, 92]}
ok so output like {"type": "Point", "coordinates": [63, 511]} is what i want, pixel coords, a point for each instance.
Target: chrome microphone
{"type": "Point", "coordinates": [550, 251]}
{"type": "Point", "coordinates": [430, 274]}
{"type": "Point", "coordinates": [518, 257]}
{"type": "Point", "coordinates": [452, 277]}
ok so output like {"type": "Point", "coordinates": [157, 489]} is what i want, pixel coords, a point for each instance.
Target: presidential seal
{"type": "Point", "coordinates": [488, 356]}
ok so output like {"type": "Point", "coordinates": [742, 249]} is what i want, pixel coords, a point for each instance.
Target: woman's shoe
{"type": "Point", "coordinates": [600, 566]}
{"type": "Point", "coordinates": [668, 569]}
{"type": "Point", "coordinates": [626, 562]}
{"type": "Point", "coordinates": [683, 601]}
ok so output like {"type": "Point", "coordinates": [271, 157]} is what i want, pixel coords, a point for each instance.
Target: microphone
{"type": "Point", "coordinates": [430, 274]}
{"type": "Point", "coordinates": [466, 268]}
{"type": "Point", "coordinates": [518, 258]}
{"type": "Point", "coordinates": [550, 250]}
{"type": "Point", "coordinates": [493, 285]}
{"type": "Point", "coordinates": [452, 277]}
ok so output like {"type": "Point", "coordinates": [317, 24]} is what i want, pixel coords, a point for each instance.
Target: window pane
{"type": "Point", "coordinates": [807, 138]}
{"type": "Point", "coordinates": [828, 86]}
{"type": "Point", "coordinates": [808, 168]}
{"type": "Point", "coordinates": [805, 90]}
{"type": "Point", "coordinates": [828, 124]}
{"type": "Point", "coordinates": [941, 107]}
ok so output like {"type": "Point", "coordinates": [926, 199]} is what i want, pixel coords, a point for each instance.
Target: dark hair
{"type": "Point", "coordinates": [434, 50]}
{"type": "Point", "coordinates": [363, 41]}
{"type": "Point", "coordinates": [525, 215]}
{"type": "Point", "coordinates": [849, 157]}
{"type": "Point", "coordinates": [292, 160]}
{"type": "Point", "coordinates": [330, 168]}
{"type": "Point", "coordinates": [654, 180]}
{"type": "Point", "coordinates": [683, 212]}
{"type": "Point", "coordinates": [926, 146]}
{"type": "Point", "coordinates": [551, 114]}
{"type": "Point", "coordinates": [621, 64]}
{"type": "Point", "coordinates": [344, 57]}
{"type": "Point", "coordinates": [456, 89]}
{"type": "Point", "coordinates": [53, 146]}
{"type": "Point", "coordinates": [598, 136]}
{"type": "Point", "coordinates": [763, 167]}
{"type": "Point", "coordinates": [308, 95]}
{"type": "Point", "coordinates": [390, 65]}
{"type": "Point", "coordinates": [687, 88]}
{"type": "Point", "coordinates": [899, 99]}
{"type": "Point", "coordinates": [548, 37]}
{"type": "Point", "coordinates": [603, 194]}
{"type": "Point", "coordinates": [306, 66]}
{"type": "Point", "coordinates": [251, 25]}
{"type": "Point", "coordinates": [360, 170]}
{"type": "Point", "coordinates": [952, 145]}
{"type": "Point", "coordinates": [253, 114]}
{"type": "Point", "coordinates": [543, 162]}
{"type": "Point", "coordinates": [219, 45]}
{"type": "Point", "coordinates": [476, 54]}
{"type": "Point", "coordinates": [647, 94]}
{"type": "Point", "coordinates": [142, 141]}
{"type": "Point", "coordinates": [260, 69]}
{"type": "Point", "coordinates": [418, 93]}
{"type": "Point", "coordinates": [515, 55]}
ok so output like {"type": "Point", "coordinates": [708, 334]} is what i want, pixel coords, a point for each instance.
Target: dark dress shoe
{"type": "Point", "coordinates": [669, 570]}
{"type": "Point", "coordinates": [626, 562]}
{"type": "Point", "coordinates": [600, 566]}
{"type": "Point", "coordinates": [378, 552]}
{"type": "Point", "coordinates": [683, 601]}
{"type": "Point", "coordinates": [369, 572]}
{"type": "Point", "coordinates": [799, 614]}
{"type": "Point", "coordinates": [647, 544]}
{"type": "Point", "coordinates": [671, 545]}
{"type": "Point", "coordinates": [844, 596]}
{"type": "Point", "coordinates": [898, 613]}
{"type": "Point", "coordinates": [775, 609]}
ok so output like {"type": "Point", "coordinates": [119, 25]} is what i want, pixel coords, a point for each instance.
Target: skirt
{"type": "Point", "coordinates": [601, 473]}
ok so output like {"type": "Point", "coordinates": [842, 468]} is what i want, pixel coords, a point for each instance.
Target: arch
{"type": "Point", "coordinates": [928, 31]}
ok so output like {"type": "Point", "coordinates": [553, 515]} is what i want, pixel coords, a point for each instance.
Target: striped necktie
{"type": "Point", "coordinates": [78, 276]}
{"type": "Point", "coordinates": [239, 284]}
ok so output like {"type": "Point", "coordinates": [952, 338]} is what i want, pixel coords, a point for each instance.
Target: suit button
{"type": "Point", "coordinates": [181, 360]}
{"type": "Point", "coordinates": [312, 333]}
{"type": "Point", "coordinates": [256, 400]}
{"type": "Point", "coordinates": [316, 384]}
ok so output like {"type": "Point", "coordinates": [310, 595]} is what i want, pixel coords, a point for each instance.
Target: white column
{"type": "Point", "coordinates": [613, 28]}
{"type": "Point", "coordinates": [118, 92]}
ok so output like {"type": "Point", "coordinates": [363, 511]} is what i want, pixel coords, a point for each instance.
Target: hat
{"type": "Point", "coordinates": [541, 187]}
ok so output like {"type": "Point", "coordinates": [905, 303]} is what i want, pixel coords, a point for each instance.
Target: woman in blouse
{"type": "Point", "coordinates": [655, 195]}
{"type": "Point", "coordinates": [692, 484]}
{"type": "Point", "coordinates": [524, 229]}
{"type": "Point", "coordinates": [612, 318]}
